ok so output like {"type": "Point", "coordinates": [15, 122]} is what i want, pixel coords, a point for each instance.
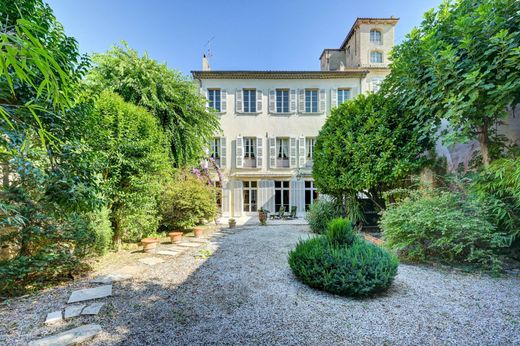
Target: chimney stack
{"type": "Point", "coordinates": [205, 63]}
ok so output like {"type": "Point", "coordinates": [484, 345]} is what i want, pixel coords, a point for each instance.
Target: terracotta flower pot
{"type": "Point", "coordinates": [262, 217]}
{"type": "Point", "coordinates": [232, 224]}
{"type": "Point", "coordinates": [175, 237]}
{"type": "Point", "coordinates": [149, 244]}
{"type": "Point", "coordinates": [198, 232]}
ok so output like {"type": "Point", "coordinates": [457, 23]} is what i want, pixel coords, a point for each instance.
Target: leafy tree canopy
{"type": "Point", "coordinates": [171, 97]}
{"type": "Point", "coordinates": [462, 64]}
{"type": "Point", "coordinates": [368, 144]}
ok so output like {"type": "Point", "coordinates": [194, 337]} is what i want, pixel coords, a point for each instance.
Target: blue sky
{"type": "Point", "coordinates": [247, 35]}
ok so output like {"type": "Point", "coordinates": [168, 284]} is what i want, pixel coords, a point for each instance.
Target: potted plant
{"type": "Point", "coordinates": [198, 232]}
{"type": "Point", "coordinates": [232, 223]}
{"type": "Point", "coordinates": [149, 244]}
{"type": "Point", "coordinates": [175, 237]}
{"type": "Point", "coordinates": [262, 216]}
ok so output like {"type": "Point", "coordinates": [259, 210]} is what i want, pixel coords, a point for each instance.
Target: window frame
{"type": "Point", "coordinates": [341, 91]}
{"type": "Point", "coordinates": [212, 94]}
{"type": "Point", "coordinates": [284, 186]}
{"type": "Point", "coordinates": [250, 204]}
{"type": "Point", "coordinates": [311, 191]}
{"type": "Point", "coordinates": [250, 101]}
{"type": "Point", "coordinates": [313, 101]}
{"type": "Point", "coordinates": [309, 149]}
{"type": "Point", "coordinates": [215, 149]}
{"type": "Point", "coordinates": [379, 53]}
{"type": "Point", "coordinates": [379, 41]}
{"type": "Point", "coordinates": [282, 149]}
{"type": "Point", "coordinates": [249, 148]}
{"type": "Point", "coordinates": [284, 103]}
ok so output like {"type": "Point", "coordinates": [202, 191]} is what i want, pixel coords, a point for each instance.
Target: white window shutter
{"type": "Point", "coordinates": [272, 152]}
{"type": "Point", "coordinates": [292, 101]}
{"type": "Point", "coordinates": [223, 101]}
{"type": "Point", "coordinates": [301, 151]}
{"type": "Point", "coordinates": [259, 152]}
{"type": "Point", "coordinates": [259, 96]}
{"type": "Point", "coordinates": [333, 98]}
{"type": "Point", "coordinates": [301, 100]}
{"type": "Point", "coordinates": [240, 152]}
{"type": "Point", "coordinates": [292, 152]}
{"type": "Point", "coordinates": [239, 104]}
{"type": "Point", "coordinates": [323, 100]}
{"type": "Point", "coordinates": [272, 101]}
{"type": "Point", "coordinates": [223, 151]}
{"type": "Point", "coordinates": [204, 92]}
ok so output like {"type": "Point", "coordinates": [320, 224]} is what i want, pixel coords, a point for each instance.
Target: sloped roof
{"type": "Point", "coordinates": [251, 74]}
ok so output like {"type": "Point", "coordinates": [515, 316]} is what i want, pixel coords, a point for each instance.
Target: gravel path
{"type": "Point", "coordinates": [245, 293]}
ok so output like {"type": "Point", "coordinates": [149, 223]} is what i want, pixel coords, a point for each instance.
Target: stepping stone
{"type": "Point", "coordinates": [73, 311]}
{"type": "Point", "coordinates": [190, 244]}
{"type": "Point", "coordinates": [53, 317]}
{"type": "Point", "coordinates": [92, 309]}
{"type": "Point", "coordinates": [201, 241]}
{"type": "Point", "coordinates": [90, 293]}
{"type": "Point", "coordinates": [168, 253]}
{"type": "Point", "coordinates": [69, 337]}
{"type": "Point", "coordinates": [108, 279]}
{"type": "Point", "coordinates": [151, 261]}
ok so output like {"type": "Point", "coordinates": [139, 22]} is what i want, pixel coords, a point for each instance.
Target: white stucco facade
{"type": "Point", "coordinates": [269, 120]}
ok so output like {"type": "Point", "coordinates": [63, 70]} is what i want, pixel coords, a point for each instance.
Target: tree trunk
{"type": "Point", "coordinates": [483, 139]}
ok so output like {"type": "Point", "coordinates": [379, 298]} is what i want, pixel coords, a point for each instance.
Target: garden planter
{"type": "Point", "coordinates": [262, 217]}
{"type": "Point", "coordinates": [149, 244]}
{"type": "Point", "coordinates": [198, 232]}
{"type": "Point", "coordinates": [175, 237]}
{"type": "Point", "coordinates": [232, 223]}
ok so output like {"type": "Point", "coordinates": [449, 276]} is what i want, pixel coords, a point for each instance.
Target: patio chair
{"type": "Point", "coordinates": [292, 215]}
{"type": "Point", "coordinates": [280, 214]}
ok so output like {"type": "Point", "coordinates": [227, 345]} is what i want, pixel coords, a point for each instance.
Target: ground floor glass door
{"type": "Point", "coordinates": [281, 195]}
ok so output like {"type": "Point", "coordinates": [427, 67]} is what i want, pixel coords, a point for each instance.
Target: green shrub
{"type": "Point", "coordinates": [187, 202]}
{"type": "Point", "coordinates": [339, 232]}
{"type": "Point", "coordinates": [499, 187]}
{"type": "Point", "coordinates": [321, 213]}
{"type": "Point", "coordinates": [445, 226]}
{"type": "Point", "coordinates": [101, 228]}
{"type": "Point", "coordinates": [343, 263]}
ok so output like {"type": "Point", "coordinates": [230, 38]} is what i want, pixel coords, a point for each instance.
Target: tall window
{"type": "Point", "coordinates": [215, 148]}
{"type": "Point", "coordinates": [310, 194]}
{"type": "Point", "coordinates": [310, 142]}
{"type": "Point", "coordinates": [343, 95]}
{"type": "Point", "coordinates": [249, 147]}
{"type": "Point", "coordinates": [249, 100]}
{"type": "Point", "coordinates": [282, 148]}
{"type": "Point", "coordinates": [282, 101]}
{"type": "Point", "coordinates": [311, 101]}
{"type": "Point", "coordinates": [214, 99]}
{"type": "Point", "coordinates": [375, 36]}
{"type": "Point", "coordinates": [250, 193]}
{"type": "Point", "coordinates": [376, 57]}
{"type": "Point", "coordinates": [281, 195]}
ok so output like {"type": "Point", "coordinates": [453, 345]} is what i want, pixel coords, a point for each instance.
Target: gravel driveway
{"type": "Point", "coordinates": [245, 293]}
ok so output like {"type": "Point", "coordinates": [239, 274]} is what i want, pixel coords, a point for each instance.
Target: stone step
{"type": "Point", "coordinates": [69, 337]}
{"type": "Point", "coordinates": [151, 261]}
{"type": "Point", "coordinates": [90, 293]}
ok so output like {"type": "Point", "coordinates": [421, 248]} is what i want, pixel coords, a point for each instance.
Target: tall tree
{"type": "Point", "coordinates": [462, 64]}
{"type": "Point", "coordinates": [368, 145]}
{"type": "Point", "coordinates": [174, 99]}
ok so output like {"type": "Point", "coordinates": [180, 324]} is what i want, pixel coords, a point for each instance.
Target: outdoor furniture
{"type": "Point", "coordinates": [292, 215]}
{"type": "Point", "coordinates": [280, 214]}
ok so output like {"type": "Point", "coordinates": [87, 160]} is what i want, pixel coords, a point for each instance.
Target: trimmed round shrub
{"type": "Point", "coordinates": [343, 263]}
{"type": "Point", "coordinates": [321, 213]}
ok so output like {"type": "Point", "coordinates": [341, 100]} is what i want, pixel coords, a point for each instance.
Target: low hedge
{"type": "Point", "coordinates": [343, 263]}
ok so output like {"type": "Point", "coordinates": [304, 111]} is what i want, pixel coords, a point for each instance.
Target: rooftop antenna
{"type": "Point", "coordinates": [208, 53]}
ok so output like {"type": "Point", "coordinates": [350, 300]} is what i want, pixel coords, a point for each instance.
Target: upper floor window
{"type": "Point", "coordinates": [282, 148]}
{"type": "Point", "coordinates": [343, 95]}
{"type": "Point", "coordinates": [249, 147]}
{"type": "Point", "coordinates": [310, 142]}
{"type": "Point", "coordinates": [311, 101]}
{"type": "Point", "coordinates": [376, 57]}
{"type": "Point", "coordinates": [249, 100]}
{"type": "Point", "coordinates": [215, 148]}
{"type": "Point", "coordinates": [282, 101]}
{"type": "Point", "coordinates": [375, 36]}
{"type": "Point", "coordinates": [214, 99]}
